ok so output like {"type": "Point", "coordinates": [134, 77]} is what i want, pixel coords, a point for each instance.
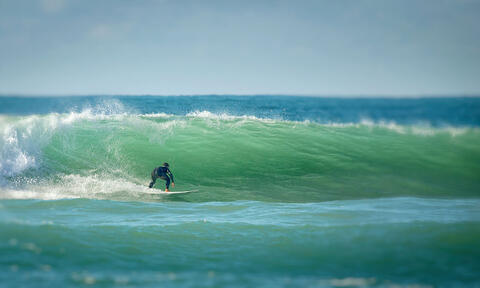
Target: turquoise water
{"type": "Point", "coordinates": [292, 192]}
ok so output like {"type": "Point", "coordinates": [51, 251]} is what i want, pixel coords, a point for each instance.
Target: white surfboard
{"type": "Point", "coordinates": [178, 192]}
{"type": "Point", "coordinates": [160, 192]}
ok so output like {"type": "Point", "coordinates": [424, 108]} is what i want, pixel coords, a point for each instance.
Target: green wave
{"type": "Point", "coordinates": [255, 159]}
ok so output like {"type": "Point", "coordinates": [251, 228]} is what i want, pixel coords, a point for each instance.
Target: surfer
{"type": "Point", "coordinates": [164, 173]}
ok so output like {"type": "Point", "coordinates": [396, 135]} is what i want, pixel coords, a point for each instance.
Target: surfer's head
{"type": "Point", "coordinates": [165, 164]}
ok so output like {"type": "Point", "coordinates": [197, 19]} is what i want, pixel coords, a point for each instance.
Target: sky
{"type": "Point", "coordinates": [182, 47]}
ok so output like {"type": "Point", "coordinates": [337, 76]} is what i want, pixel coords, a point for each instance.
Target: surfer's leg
{"type": "Point", "coordinates": [154, 178]}
{"type": "Point", "coordinates": [163, 177]}
{"type": "Point", "coordinates": [167, 185]}
{"type": "Point", "coordinates": [151, 184]}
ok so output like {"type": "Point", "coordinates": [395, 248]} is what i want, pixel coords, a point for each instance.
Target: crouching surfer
{"type": "Point", "coordinates": [162, 172]}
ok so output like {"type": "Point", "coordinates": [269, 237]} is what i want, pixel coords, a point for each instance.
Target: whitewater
{"type": "Point", "coordinates": [292, 191]}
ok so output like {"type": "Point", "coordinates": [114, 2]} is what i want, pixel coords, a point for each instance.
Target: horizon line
{"type": "Point", "coordinates": [393, 96]}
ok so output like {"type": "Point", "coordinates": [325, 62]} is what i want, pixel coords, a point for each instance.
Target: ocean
{"type": "Point", "coordinates": [292, 191]}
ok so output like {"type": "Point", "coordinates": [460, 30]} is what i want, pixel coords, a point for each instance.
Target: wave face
{"type": "Point", "coordinates": [293, 192]}
{"type": "Point", "coordinates": [234, 157]}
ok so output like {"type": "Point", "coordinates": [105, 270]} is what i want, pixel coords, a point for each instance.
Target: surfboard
{"type": "Point", "coordinates": [160, 192]}
{"type": "Point", "coordinates": [177, 192]}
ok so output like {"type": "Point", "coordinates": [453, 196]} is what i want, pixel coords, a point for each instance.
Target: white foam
{"type": "Point", "coordinates": [21, 142]}
{"type": "Point", "coordinates": [78, 186]}
{"type": "Point", "coordinates": [157, 115]}
{"type": "Point", "coordinates": [423, 129]}
{"type": "Point", "coordinates": [224, 116]}
{"type": "Point", "coordinates": [31, 194]}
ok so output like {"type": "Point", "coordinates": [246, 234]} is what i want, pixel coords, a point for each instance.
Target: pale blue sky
{"type": "Point", "coordinates": [357, 47]}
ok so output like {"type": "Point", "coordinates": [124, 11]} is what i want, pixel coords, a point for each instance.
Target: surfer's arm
{"type": "Point", "coordinates": [169, 173]}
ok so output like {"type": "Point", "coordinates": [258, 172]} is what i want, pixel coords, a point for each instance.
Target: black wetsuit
{"type": "Point", "coordinates": [161, 172]}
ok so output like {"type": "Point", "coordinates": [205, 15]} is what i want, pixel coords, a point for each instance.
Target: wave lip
{"type": "Point", "coordinates": [222, 116]}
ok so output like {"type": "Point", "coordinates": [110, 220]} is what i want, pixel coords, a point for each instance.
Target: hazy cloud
{"type": "Point", "coordinates": [52, 6]}
{"type": "Point", "coordinates": [101, 31]}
